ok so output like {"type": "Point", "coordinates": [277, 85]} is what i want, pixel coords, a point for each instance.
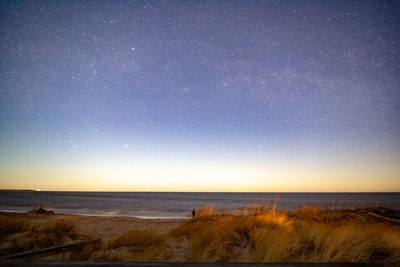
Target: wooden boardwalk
{"type": "Point", "coordinates": [52, 250]}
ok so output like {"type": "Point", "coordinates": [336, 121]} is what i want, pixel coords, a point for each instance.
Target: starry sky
{"type": "Point", "coordinates": [200, 95]}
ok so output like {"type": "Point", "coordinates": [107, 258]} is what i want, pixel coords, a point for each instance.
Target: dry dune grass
{"type": "Point", "coordinates": [248, 234]}
{"type": "Point", "coordinates": [135, 245]}
{"type": "Point", "coordinates": [11, 226]}
{"type": "Point", "coordinates": [18, 236]}
{"type": "Point", "coordinates": [257, 234]}
{"type": "Point", "coordinates": [42, 210]}
{"type": "Point", "coordinates": [143, 245]}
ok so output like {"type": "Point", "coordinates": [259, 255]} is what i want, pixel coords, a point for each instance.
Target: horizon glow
{"type": "Point", "coordinates": [197, 96]}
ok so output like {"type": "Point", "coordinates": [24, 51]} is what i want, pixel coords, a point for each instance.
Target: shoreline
{"type": "Point", "coordinates": [104, 215]}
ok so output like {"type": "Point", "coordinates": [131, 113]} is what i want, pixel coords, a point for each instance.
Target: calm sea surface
{"type": "Point", "coordinates": [178, 205]}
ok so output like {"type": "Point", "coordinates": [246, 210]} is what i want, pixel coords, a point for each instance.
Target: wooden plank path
{"type": "Point", "coordinates": [40, 253]}
{"type": "Point", "coordinates": [383, 217]}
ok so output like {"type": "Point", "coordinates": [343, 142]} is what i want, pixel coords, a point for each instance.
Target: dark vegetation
{"type": "Point", "coordinates": [42, 210]}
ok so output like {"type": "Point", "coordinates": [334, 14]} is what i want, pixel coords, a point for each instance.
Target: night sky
{"type": "Point", "coordinates": [200, 95]}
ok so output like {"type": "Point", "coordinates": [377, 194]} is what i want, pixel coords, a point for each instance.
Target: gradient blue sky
{"type": "Point", "coordinates": [200, 95]}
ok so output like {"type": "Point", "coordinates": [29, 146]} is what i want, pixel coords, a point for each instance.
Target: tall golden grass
{"type": "Point", "coordinates": [10, 226]}
{"type": "Point", "coordinates": [257, 234]}
{"type": "Point", "coordinates": [248, 234]}
{"type": "Point", "coordinates": [18, 236]}
{"type": "Point", "coordinates": [144, 245]}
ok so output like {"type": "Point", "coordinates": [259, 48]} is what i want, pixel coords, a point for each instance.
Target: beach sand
{"type": "Point", "coordinates": [104, 227]}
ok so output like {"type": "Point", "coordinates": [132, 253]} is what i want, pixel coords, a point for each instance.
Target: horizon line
{"type": "Point", "coordinates": [149, 191]}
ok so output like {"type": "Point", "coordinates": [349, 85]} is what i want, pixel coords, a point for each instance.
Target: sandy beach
{"type": "Point", "coordinates": [103, 227]}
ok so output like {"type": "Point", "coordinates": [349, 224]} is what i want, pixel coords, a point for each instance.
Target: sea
{"type": "Point", "coordinates": [178, 204]}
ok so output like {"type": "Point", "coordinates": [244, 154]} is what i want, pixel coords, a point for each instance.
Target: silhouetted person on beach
{"type": "Point", "coordinates": [193, 213]}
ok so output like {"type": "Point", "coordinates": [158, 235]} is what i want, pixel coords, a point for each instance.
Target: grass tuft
{"type": "Point", "coordinates": [143, 245]}
{"type": "Point", "coordinates": [18, 236]}
{"type": "Point", "coordinates": [42, 210]}
{"type": "Point", "coordinates": [10, 226]}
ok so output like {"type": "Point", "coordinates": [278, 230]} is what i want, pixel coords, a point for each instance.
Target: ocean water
{"type": "Point", "coordinates": [179, 205]}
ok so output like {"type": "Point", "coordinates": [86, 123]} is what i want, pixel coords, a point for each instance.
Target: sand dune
{"type": "Point", "coordinates": [250, 235]}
